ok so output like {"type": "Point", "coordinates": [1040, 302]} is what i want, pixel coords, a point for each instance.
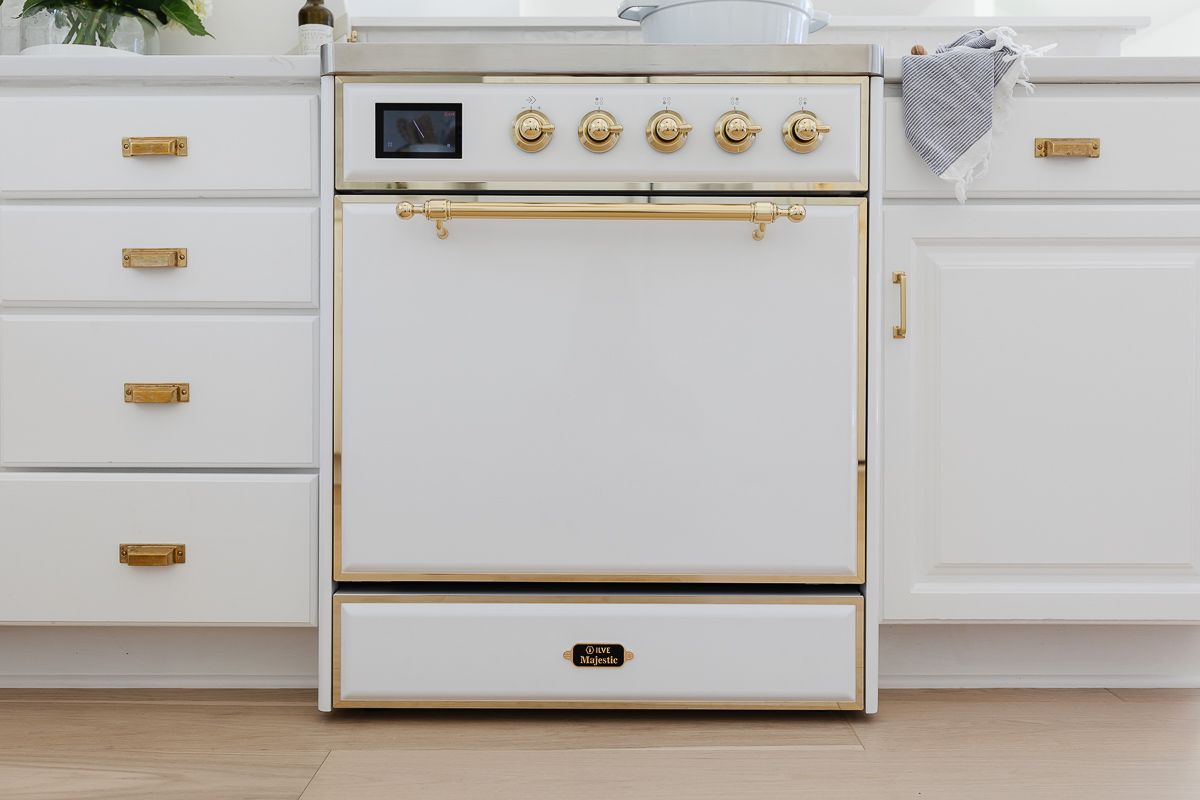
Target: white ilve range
{"type": "Point", "coordinates": [605, 318]}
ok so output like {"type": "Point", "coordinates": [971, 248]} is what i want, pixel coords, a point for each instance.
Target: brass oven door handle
{"type": "Point", "coordinates": [158, 392]}
{"type": "Point", "coordinates": [153, 257]}
{"type": "Point", "coordinates": [1066, 148]}
{"type": "Point", "coordinates": [901, 331]}
{"type": "Point", "coordinates": [154, 146]}
{"type": "Point", "coordinates": [758, 214]}
{"type": "Point", "coordinates": [152, 555]}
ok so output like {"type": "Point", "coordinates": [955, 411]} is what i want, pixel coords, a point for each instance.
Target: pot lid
{"type": "Point", "coordinates": [638, 10]}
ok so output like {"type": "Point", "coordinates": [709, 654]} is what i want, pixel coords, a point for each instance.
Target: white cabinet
{"type": "Point", "coordinates": [159, 251]}
{"type": "Point", "coordinates": [249, 548]}
{"type": "Point", "coordinates": [218, 256]}
{"type": "Point", "coordinates": [236, 146]}
{"type": "Point", "coordinates": [1128, 164]}
{"type": "Point", "coordinates": [250, 391]}
{"type": "Point", "coordinates": [1041, 419]}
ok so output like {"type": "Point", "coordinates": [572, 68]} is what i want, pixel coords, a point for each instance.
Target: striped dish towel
{"type": "Point", "coordinates": [955, 97]}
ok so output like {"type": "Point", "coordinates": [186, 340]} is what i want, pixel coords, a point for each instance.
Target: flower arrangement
{"type": "Point", "coordinates": [96, 22]}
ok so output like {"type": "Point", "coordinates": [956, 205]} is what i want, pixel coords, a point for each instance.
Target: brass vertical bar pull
{"type": "Point", "coordinates": [154, 146]}
{"type": "Point", "coordinates": [152, 555]}
{"type": "Point", "coordinates": [901, 331]}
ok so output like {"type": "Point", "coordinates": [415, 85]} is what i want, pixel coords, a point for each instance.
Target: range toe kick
{"type": "Point", "coordinates": [556, 649]}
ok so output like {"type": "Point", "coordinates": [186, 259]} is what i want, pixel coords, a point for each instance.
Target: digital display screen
{"type": "Point", "coordinates": [418, 130]}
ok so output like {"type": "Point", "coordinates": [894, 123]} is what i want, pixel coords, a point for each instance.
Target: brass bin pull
{"type": "Point", "coordinates": [1066, 148]}
{"type": "Point", "coordinates": [153, 555]}
{"type": "Point", "coordinates": [158, 392]}
{"type": "Point", "coordinates": [154, 146]}
{"type": "Point", "coordinates": [153, 257]}
{"type": "Point", "coordinates": [901, 331]}
{"type": "Point", "coordinates": [759, 214]}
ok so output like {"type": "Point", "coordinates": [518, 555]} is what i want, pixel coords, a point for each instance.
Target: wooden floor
{"type": "Point", "coordinates": [966, 745]}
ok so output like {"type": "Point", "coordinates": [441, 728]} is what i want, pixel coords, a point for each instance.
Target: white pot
{"type": "Point", "coordinates": [724, 21]}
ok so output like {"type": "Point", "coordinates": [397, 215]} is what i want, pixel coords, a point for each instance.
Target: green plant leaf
{"type": "Point", "coordinates": [148, 7]}
{"type": "Point", "coordinates": [34, 6]}
{"type": "Point", "coordinates": [181, 12]}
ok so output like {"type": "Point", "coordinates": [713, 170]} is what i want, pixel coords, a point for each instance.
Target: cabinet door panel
{"type": "Point", "coordinates": [1041, 429]}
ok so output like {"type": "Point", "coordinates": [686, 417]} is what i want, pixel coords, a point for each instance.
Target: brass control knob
{"type": "Point", "coordinates": [532, 131]}
{"type": "Point", "coordinates": [735, 131]}
{"type": "Point", "coordinates": [599, 131]}
{"type": "Point", "coordinates": [803, 132]}
{"type": "Point", "coordinates": [667, 131]}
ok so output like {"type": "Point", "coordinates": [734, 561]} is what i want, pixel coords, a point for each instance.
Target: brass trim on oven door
{"type": "Point", "coordinates": [572, 187]}
{"type": "Point", "coordinates": [693, 705]}
{"type": "Point", "coordinates": [575, 577]}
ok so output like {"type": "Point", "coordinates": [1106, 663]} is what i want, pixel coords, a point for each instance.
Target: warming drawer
{"type": "Point", "coordinates": [588, 650]}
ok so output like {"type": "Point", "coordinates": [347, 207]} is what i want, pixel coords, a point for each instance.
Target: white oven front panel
{"type": "Point", "coordinates": [489, 154]}
{"type": "Point", "coordinates": [604, 399]}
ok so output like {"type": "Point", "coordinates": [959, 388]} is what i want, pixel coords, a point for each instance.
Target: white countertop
{"type": "Point", "coordinates": [1126, 69]}
{"type": "Point", "coordinates": [303, 69]}
{"type": "Point", "coordinates": [902, 22]}
{"type": "Point", "coordinates": [209, 69]}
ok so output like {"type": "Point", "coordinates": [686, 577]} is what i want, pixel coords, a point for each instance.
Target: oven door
{"type": "Point", "coordinates": [666, 390]}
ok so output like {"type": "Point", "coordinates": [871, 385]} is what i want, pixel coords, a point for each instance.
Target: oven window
{"type": "Point", "coordinates": [418, 130]}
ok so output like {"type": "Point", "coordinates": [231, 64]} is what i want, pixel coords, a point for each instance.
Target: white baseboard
{"type": "Point", "coordinates": [1050, 656]}
{"type": "Point", "coordinates": [911, 656]}
{"type": "Point", "coordinates": [166, 681]}
{"type": "Point", "coordinates": [147, 657]}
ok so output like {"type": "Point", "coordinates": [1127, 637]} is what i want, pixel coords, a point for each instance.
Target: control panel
{"type": "Point", "coordinates": [810, 133]}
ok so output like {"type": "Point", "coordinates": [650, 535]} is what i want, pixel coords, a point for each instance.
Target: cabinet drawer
{"type": "Point", "coordinates": [1146, 148]}
{"type": "Point", "coordinates": [250, 399]}
{"type": "Point", "coordinates": [249, 539]}
{"type": "Point", "coordinates": [214, 256]}
{"type": "Point", "coordinates": [236, 146]}
{"type": "Point", "coordinates": [664, 650]}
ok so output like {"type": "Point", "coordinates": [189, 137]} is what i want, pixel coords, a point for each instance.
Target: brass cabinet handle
{"type": "Point", "coordinates": [153, 555]}
{"type": "Point", "coordinates": [1066, 148]}
{"type": "Point", "coordinates": [901, 331]}
{"type": "Point", "coordinates": [758, 214]}
{"type": "Point", "coordinates": [154, 146]}
{"type": "Point", "coordinates": [153, 257]}
{"type": "Point", "coordinates": [158, 392]}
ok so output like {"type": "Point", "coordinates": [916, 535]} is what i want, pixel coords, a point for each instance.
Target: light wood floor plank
{"type": "Point", "coordinates": [1190, 697]}
{"type": "Point", "coordinates": [745, 775]}
{"type": "Point", "coordinates": [956, 745]}
{"type": "Point", "coordinates": [118, 775]}
{"type": "Point", "coordinates": [259, 728]}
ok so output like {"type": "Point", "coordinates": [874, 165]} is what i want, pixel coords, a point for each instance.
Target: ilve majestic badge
{"type": "Point", "coordinates": [598, 655]}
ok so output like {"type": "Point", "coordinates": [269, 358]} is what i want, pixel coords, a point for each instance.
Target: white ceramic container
{"type": "Point", "coordinates": [724, 21]}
